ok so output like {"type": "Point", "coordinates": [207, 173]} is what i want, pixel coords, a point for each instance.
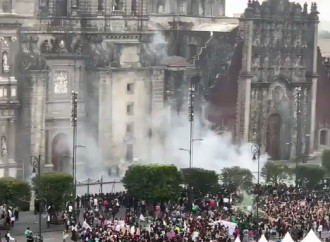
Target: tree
{"type": "Point", "coordinates": [326, 160]}
{"type": "Point", "coordinates": [15, 193]}
{"type": "Point", "coordinates": [200, 180]}
{"type": "Point", "coordinates": [236, 177]}
{"type": "Point", "coordinates": [310, 174]}
{"type": "Point", "coordinates": [154, 183]}
{"type": "Point", "coordinates": [55, 189]}
{"type": "Point", "coordinates": [275, 172]}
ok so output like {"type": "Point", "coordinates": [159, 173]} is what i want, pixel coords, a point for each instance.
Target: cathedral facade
{"type": "Point", "coordinates": [132, 63]}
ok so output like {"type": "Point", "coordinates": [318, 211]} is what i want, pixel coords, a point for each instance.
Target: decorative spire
{"type": "Point", "coordinates": [305, 8]}
{"type": "Point", "coordinates": [314, 13]}
{"type": "Point", "coordinates": [314, 7]}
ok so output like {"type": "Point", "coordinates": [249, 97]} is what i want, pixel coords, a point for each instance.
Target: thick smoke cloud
{"type": "Point", "coordinates": [170, 133]}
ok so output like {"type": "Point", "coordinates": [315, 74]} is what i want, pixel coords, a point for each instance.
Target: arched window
{"type": "Point", "coordinates": [61, 153]}
{"type": "Point", "coordinates": [323, 137]}
{"type": "Point", "coordinates": [100, 6]}
{"type": "Point", "coordinates": [274, 136]}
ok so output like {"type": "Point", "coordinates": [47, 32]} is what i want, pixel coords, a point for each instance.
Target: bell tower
{"type": "Point", "coordinates": [277, 85]}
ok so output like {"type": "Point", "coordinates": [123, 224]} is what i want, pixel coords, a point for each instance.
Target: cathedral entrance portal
{"type": "Point", "coordinates": [273, 136]}
{"type": "Point", "coordinates": [61, 153]}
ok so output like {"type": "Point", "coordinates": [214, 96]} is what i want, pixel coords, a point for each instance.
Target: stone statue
{"type": "Point", "coordinates": [5, 65]}
{"type": "Point", "coordinates": [305, 8]}
{"type": "Point", "coordinates": [3, 146]}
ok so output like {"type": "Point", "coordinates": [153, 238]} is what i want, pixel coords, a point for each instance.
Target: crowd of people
{"type": "Point", "coordinates": [282, 209]}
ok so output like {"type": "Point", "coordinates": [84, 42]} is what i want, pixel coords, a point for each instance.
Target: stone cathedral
{"type": "Point", "coordinates": [260, 76]}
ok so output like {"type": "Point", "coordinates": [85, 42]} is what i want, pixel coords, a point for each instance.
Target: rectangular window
{"type": "Point", "coordinates": [129, 152]}
{"type": "Point", "coordinates": [130, 88]}
{"type": "Point", "coordinates": [130, 128]}
{"type": "Point", "coordinates": [13, 92]}
{"type": "Point", "coordinates": [1, 92]}
{"type": "Point", "coordinates": [192, 51]}
{"type": "Point", "coordinates": [100, 5]}
{"type": "Point", "coordinates": [130, 109]}
{"type": "Point", "coordinates": [181, 8]}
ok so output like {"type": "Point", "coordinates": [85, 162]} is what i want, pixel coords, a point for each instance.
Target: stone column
{"type": "Point", "coordinates": [189, 7]}
{"type": "Point", "coordinates": [128, 8]}
{"type": "Point", "coordinates": [157, 106]}
{"type": "Point", "coordinates": [222, 8]}
{"type": "Point", "coordinates": [244, 87]}
{"type": "Point", "coordinates": [314, 89]}
{"type": "Point", "coordinates": [11, 139]}
{"type": "Point", "coordinates": [33, 113]}
{"type": "Point", "coordinates": [105, 114]}
{"type": "Point", "coordinates": [13, 6]}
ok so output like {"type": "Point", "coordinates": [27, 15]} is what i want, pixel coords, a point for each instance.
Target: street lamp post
{"type": "Point", "coordinates": [74, 144]}
{"type": "Point", "coordinates": [255, 150]}
{"type": "Point", "coordinates": [35, 162]}
{"type": "Point", "coordinates": [191, 157]}
{"type": "Point", "coordinates": [75, 170]}
{"type": "Point", "coordinates": [191, 104]}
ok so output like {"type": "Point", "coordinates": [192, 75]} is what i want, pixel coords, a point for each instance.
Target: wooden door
{"type": "Point", "coordinates": [273, 136]}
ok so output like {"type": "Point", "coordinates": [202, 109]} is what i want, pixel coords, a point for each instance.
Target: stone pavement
{"type": "Point", "coordinates": [28, 219]}
{"type": "Point", "coordinates": [48, 237]}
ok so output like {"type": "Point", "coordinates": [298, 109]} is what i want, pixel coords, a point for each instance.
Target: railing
{"type": "Point", "coordinates": [64, 24]}
{"type": "Point", "coordinates": [117, 12]}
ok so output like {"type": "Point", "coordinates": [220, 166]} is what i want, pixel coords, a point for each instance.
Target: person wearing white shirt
{"type": "Point", "coordinates": [8, 237]}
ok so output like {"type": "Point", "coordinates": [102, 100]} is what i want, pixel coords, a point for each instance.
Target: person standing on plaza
{"type": "Point", "coordinates": [16, 214]}
{"type": "Point", "coordinates": [70, 209]}
{"type": "Point", "coordinates": [320, 229]}
{"type": "Point", "coordinates": [65, 235]}
{"type": "Point", "coordinates": [8, 237]}
{"type": "Point", "coordinates": [28, 234]}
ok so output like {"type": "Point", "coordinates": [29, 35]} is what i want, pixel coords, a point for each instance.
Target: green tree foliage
{"type": "Point", "coordinates": [275, 172]}
{"type": "Point", "coordinates": [201, 181]}
{"type": "Point", "coordinates": [55, 189]}
{"type": "Point", "coordinates": [326, 160]}
{"type": "Point", "coordinates": [154, 183]}
{"type": "Point", "coordinates": [310, 174]}
{"type": "Point", "coordinates": [15, 193]}
{"type": "Point", "coordinates": [236, 177]}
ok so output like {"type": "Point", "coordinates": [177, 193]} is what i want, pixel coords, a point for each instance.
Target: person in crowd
{"type": "Point", "coordinates": [29, 235]}
{"type": "Point", "coordinates": [8, 237]}
{"type": "Point", "coordinates": [65, 235]}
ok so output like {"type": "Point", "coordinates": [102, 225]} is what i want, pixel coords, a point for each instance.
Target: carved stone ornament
{"type": "Point", "coordinates": [45, 47]}
{"type": "Point", "coordinates": [97, 52]}
{"type": "Point", "coordinates": [78, 47]}
{"type": "Point", "coordinates": [30, 58]}
{"type": "Point", "coordinates": [59, 46]}
{"type": "Point", "coordinates": [60, 82]}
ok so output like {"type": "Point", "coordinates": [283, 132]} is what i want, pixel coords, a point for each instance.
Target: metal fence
{"type": "Point", "coordinates": [90, 186]}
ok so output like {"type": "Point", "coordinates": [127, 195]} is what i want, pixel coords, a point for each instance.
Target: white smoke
{"type": "Point", "coordinates": [170, 133]}
{"type": "Point", "coordinates": [211, 151]}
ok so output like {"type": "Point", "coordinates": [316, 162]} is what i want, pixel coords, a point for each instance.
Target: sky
{"type": "Point", "coordinates": [238, 6]}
